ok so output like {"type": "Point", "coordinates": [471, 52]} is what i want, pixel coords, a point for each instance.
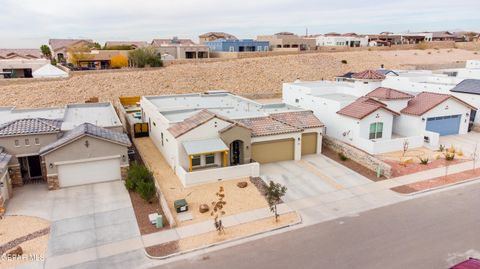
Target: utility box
{"type": "Point", "coordinates": [180, 205]}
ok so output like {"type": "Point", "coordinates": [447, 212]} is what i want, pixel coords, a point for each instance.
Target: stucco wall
{"type": "Point", "coordinates": [77, 150]}
{"type": "Point", "coordinates": [9, 144]}
{"type": "Point", "coordinates": [242, 134]}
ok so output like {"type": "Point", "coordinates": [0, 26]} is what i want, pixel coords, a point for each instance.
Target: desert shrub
{"type": "Point", "coordinates": [460, 152]}
{"type": "Point", "coordinates": [451, 149]}
{"type": "Point", "coordinates": [130, 184]}
{"type": "Point", "coordinates": [421, 46]}
{"type": "Point", "coordinates": [342, 156]}
{"type": "Point", "coordinates": [344, 62]}
{"type": "Point", "coordinates": [147, 190]}
{"type": "Point", "coordinates": [119, 61]}
{"type": "Point", "coordinates": [429, 52]}
{"type": "Point", "coordinates": [143, 57]}
{"type": "Point", "coordinates": [449, 156]}
{"type": "Point", "coordinates": [423, 160]}
{"type": "Point", "coordinates": [441, 148]}
{"type": "Point", "coordinates": [475, 53]}
{"type": "Point", "coordinates": [137, 174]}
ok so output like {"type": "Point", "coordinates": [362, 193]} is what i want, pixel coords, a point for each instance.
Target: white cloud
{"type": "Point", "coordinates": [29, 23]}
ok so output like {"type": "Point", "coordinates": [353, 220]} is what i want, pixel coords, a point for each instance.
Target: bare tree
{"type": "Point", "coordinates": [218, 211]}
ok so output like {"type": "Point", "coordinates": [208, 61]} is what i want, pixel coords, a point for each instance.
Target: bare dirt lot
{"type": "Point", "coordinates": [255, 76]}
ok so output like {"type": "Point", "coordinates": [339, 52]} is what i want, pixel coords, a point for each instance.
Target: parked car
{"type": "Point", "coordinates": [471, 263]}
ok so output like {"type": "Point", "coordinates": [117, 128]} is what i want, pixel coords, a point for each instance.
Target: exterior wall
{"type": "Point", "coordinates": [379, 116]}
{"type": "Point", "coordinates": [15, 175]}
{"type": "Point", "coordinates": [179, 52]}
{"type": "Point", "coordinates": [22, 63]}
{"type": "Point", "coordinates": [361, 157]}
{"type": "Point", "coordinates": [5, 189]}
{"type": "Point", "coordinates": [407, 125]}
{"type": "Point", "coordinates": [289, 41]}
{"type": "Point", "coordinates": [234, 45]}
{"type": "Point", "coordinates": [447, 108]}
{"type": "Point", "coordinates": [345, 41]}
{"type": "Point", "coordinates": [77, 150]}
{"type": "Point", "coordinates": [9, 144]}
{"type": "Point", "coordinates": [396, 105]}
{"type": "Point", "coordinates": [242, 134]}
{"type": "Point", "coordinates": [214, 175]}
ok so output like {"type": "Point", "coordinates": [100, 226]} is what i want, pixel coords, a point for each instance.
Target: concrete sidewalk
{"type": "Point", "coordinates": [207, 226]}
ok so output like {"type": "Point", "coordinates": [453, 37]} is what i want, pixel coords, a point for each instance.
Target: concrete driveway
{"type": "Point", "coordinates": [85, 219]}
{"type": "Point", "coordinates": [465, 142]}
{"type": "Point", "coordinates": [311, 176]}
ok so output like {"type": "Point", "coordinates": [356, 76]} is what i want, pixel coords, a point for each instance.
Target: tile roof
{"type": "Point", "coordinates": [218, 35]}
{"type": "Point", "coordinates": [368, 74]}
{"type": "Point", "coordinates": [60, 43]}
{"type": "Point", "coordinates": [26, 53]}
{"type": "Point", "coordinates": [471, 86]}
{"type": "Point", "coordinates": [30, 126]}
{"type": "Point", "coordinates": [263, 126]}
{"type": "Point", "coordinates": [137, 44]}
{"type": "Point", "coordinates": [389, 94]}
{"type": "Point", "coordinates": [166, 41]}
{"type": "Point", "coordinates": [299, 119]}
{"type": "Point", "coordinates": [426, 101]}
{"type": "Point", "coordinates": [90, 130]}
{"type": "Point", "coordinates": [363, 107]}
{"type": "Point", "coordinates": [193, 122]}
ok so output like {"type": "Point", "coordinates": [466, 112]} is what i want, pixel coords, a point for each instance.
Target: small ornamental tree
{"type": "Point", "coordinates": [119, 61]}
{"type": "Point", "coordinates": [46, 51]}
{"type": "Point", "coordinates": [274, 194]}
{"type": "Point", "coordinates": [218, 210]}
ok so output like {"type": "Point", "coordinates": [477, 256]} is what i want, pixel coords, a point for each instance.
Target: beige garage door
{"type": "Point", "coordinates": [273, 151]}
{"type": "Point", "coordinates": [309, 143]}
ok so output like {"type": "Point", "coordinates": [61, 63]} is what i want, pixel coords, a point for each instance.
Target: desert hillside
{"type": "Point", "coordinates": [255, 76]}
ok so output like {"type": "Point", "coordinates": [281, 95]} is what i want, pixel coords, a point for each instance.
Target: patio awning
{"type": "Point", "coordinates": [198, 147]}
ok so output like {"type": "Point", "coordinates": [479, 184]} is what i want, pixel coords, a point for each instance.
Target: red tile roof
{"type": "Point", "coordinates": [368, 74]}
{"type": "Point", "coordinates": [389, 94]}
{"type": "Point", "coordinates": [426, 101]}
{"type": "Point", "coordinates": [363, 107]}
{"type": "Point", "coordinates": [263, 126]}
{"type": "Point", "coordinates": [299, 119]}
{"type": "Point", "coordinates": [193, 122]}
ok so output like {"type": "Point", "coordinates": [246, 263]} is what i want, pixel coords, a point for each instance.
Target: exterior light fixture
{"type": "Point", "coordinates": [423, 119]}
{"type": "Point", "coordinates": [50, 165]}
{"type": "Point", "coordinates": [123, 158]}
{"type": "Point", "coordinates": [87, 144]}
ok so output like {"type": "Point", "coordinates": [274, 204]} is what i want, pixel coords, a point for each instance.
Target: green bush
{"type": "Point", "coordinates": [143, 57]}
{"type": "Point", "coordinates": [423, 160]}
{"type": "Point", "coordinates": [342, 156]}
{"type": "Point", "coordinates": [137, 174]}
{"type": "Point", "coordinates": [130, 184]}
{"type": "Point", "coordinates": [146, 190]}
{"type": "Point", "coordinates": [449, 156]}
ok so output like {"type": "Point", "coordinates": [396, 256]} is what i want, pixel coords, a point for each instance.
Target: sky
{"type": "Point", "coordinates": [30, 23]}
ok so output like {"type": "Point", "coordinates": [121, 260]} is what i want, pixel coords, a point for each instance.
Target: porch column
{"type": "Point", "coordinates": [225, 153]}
{"type": "Point", "coordinates": [190, 162]}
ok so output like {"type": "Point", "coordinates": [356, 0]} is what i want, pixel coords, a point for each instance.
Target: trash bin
{"type": "Point", "coordinates": [180, 205]}
{"type": "Point", "coordinates": [159, 221]}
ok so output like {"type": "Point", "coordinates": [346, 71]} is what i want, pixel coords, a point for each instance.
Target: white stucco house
{"type": "Point", "coordinates": [342, 40]}
{"type": "Point", "coordinates": [361, 112]}
{"type": "Point", "coordinates": [217, 135]}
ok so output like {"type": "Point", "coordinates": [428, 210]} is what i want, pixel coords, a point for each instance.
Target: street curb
{"type": "Point", "coordinates": [438, 188]}
{"type": "Point", "coordinates": [222, 242]}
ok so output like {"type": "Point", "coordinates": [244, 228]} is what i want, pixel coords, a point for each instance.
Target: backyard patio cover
{"type": "Point", "coordinates": [205, 146]}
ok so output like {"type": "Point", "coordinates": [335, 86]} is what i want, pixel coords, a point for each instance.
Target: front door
{"type": "Point", "coordinates": [31, 169]}
{"type": "Point", "coordinates": [235, 152]}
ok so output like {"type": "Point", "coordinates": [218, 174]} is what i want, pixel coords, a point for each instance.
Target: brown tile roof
{"type": "Point", "coordinates": [368, 74]}
{"type": "Point", "coordinates": [136, 44]}
{"type": "Point", "coordinates": [389, 94]}
{"type": "Point", "coordinates": [299, 119]}
{"type": "Point", "coordinates": [26, 53]}
{"type": "Point", "coordinates": [426, 101]}
{"type": "Point", "coordinates": [30, 126]}
{"type": "Point", "coordinates": [166, 41]}
{"type": "Point", "coordinates": [218, 35]}
{"type": "Point", "coordinates": [263, 126]}
{"type": "Point", "coordinates": [363, 107]}
{"type": "Point", "coordinates": [60, 43]}
{"type": "Point", "coordinates": [193, 122]}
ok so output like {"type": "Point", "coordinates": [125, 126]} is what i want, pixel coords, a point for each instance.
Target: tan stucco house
{"type": "Point", "coordinates": [286, 40]}
{"type": "Point", "coordinates": [176, 48]}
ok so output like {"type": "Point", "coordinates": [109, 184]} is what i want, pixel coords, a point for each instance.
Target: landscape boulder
{"type": "Point", "coordinates": [242, 184]}
{"type": "Point", "coordinates": [204, 208]}
{"type": "Point", "coordinates": [16, 251]}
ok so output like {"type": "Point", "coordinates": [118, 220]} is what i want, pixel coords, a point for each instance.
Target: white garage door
{"type": "Point", "coordinates": [73, 174]}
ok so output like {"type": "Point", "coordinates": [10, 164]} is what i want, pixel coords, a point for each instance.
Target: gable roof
{"type": "Point", "coordinates": [63, 43]}
{"type": "Point", "coordinates": [363, 107]}
{"type": "Point", "coordinates": [471, 86]}
{"type": "Point", "coordinates": [218, 35]}
{"type": "Point", "coordinates": [30, 126]}
{"type": "Point", "coordinates": [386, 72]}
{"type": "Point", "coordinates": [90, 130]}
{"type": "Point", "coordinates": [262, 126]}
{"type": "Point", "coordinates": [389, 94]}
{"type": "Point", "coordinates": [368, 74]}
{"type": "Point", "coordinates": [426, 101]}
{"type": "Point", "coordinates": [299, 119]}
{"type": "Point", "coordinates": [25, 53]}
{"type": "Point", "coordinates": [193, 122]}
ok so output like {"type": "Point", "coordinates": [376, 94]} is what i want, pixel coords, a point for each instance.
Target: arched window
{"type": "Point", "coordinates": [376, 130]}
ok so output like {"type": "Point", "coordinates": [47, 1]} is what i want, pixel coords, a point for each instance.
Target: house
{"type": "Point", "coordinates": [218, 135]}
{"type": "Point", "coordinates": [98, 59]}
{"type": "Point", "coordinates": [286, 40]}
{"type": "Point", "coordinates": [20, 63]}
{"type": "Point", "coordinates": [384, 39]}
{"type": "Point", "coordinates": [5, 182]}
{"type": "Point", "coordinates": [60, 47]}
{"type": "Point", "coordinates": [212, 36]}
{"type": "Point", "coordinates": [176, 48]}
{"type": "Point", "coordinates": [74, 145]}
{"type": "Point", "coordinates": [131, 45]}
{"type": "Point", "coordinates": [345, 40]}
{"type": "Point", "coordinates": [443, 36]}
{"type": "Point", "coordinates": [362, 112]}
{"type": "Point", "coordinates": [237, 45]}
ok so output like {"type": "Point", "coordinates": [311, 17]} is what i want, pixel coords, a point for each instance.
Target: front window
{"type": "Point", "coordinates": [27, 142]}
{"type": "Point", "coordinates": [37, 141]}
{"type": "Point", "coordinates": [195, 160]}
{"type": "Point", "coordinates": [210, 158]}
{"type": "Point", "coordinates": [376, 130]}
